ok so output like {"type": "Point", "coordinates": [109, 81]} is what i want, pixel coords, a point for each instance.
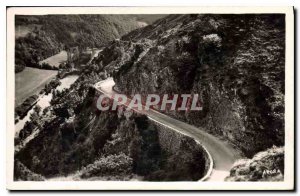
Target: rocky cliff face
{"type": "Point", "coordinates": [236, 64]}
{"type": "Point", "coordinates": [83, 143]}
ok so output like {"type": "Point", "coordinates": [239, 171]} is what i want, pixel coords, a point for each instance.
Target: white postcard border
{"type": "Point", "coordinates": [288, 182]}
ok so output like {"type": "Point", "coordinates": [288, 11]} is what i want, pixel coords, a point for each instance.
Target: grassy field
{"type": "Point", "coordinates": [57, 59]}
{"type": "Point", "coordinates": [31, 81]}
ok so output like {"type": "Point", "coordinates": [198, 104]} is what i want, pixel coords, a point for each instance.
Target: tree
{"type": "Point", "coordinates": [37, 109]}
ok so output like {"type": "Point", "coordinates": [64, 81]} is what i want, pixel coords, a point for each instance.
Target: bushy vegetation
{"type": "Point", "coordinates": [31, 125]}
{"type": "Point", "coordinates": [22, 109]}
{"type": "Point", "coordinates": [33, 48]}
{"type": "Point", "coordinates": [69, 144]}
{"type": "Point", "coordinates": [107, 145]}
{"type": "Point", "coordinates": [22, 173]}
{"type": "Point", "coordinates": [112, 165]}
{"type": "Point", "coordinates": [47, 66]}
{"type": "Point", "coordinates": [57, 32]}
{"type": "Point", "coordinates": [52, 85]}
{"type": "Point", "coordinates": [26, 131]}
{"type": "Point", "coordinates": [264, 166]}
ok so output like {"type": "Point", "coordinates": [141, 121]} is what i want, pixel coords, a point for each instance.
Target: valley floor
{"type": "Point", "coordinates": [31, 81]}
{"type": "Point", "coordinates": [57, 59]}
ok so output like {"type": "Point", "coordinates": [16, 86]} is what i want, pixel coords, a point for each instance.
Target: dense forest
{"type": "Point", "coordinates": [39, 37]}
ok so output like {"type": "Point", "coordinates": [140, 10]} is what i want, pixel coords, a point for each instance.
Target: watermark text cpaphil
{"type": "Point", "coordinates": [178, 102]}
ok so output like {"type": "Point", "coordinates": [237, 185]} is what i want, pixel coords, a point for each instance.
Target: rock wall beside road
{"type": "Point", "coordinates": [236, 65]}
{"type": "Point", "coordinates": [158, 143]}
{"type": "Point", "coordinates": [172, 142]}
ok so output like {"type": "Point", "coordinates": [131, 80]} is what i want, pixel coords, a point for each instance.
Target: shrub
{"type": "Point", "coordinates": [22, 109]}
{"type": "Point", "coordinates": [264, 166]}
{"type": "Point", "coordinates": [27, 130]}
{"type": "Point", "coordinates": [111, 165]}
{"type": "Point", "coordinates": [21, 172]}
{"type": "Point", "coordinates": [212, 39]}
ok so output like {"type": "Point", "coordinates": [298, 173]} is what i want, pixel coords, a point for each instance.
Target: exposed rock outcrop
{"type": "Point", "coordinates": [236, 64]}
{"type": "Point", "coordinates": [264, 166]}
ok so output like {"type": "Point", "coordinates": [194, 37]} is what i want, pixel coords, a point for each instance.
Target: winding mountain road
{"type": "Point", "coordinates": [222, 153]}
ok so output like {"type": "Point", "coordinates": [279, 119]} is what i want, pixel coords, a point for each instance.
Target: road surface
{"type": "Point", "coordinates": [222, 153]}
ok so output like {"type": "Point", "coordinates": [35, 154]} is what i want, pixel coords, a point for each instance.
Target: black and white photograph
{"type": "Point", "coordinates": [150, 98]}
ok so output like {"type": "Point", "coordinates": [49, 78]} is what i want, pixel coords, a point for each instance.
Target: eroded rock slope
{"type": "Point", "coordinates": [236, 64]}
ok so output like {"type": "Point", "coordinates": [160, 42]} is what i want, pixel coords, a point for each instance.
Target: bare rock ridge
{"type": "Point", "coordinates": [236, 64]}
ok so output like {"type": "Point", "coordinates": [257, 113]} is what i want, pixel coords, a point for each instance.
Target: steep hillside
{"type": "Point", "coordinates": [80, 141]}
{"type": "Point", "coordinates": [34, 47]}
{"type": "Point", "coordinates": [236, 64]}
{"type": "Point", "coordinates": [38, 37]}
{"type": "Point", "coordinates": [21, 172]}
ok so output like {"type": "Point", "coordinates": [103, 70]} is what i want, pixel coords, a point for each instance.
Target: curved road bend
{"type": "Point", "coordinates": [222, 153]}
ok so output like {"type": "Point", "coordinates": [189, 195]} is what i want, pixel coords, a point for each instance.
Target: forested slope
{"type": "Point", "coordinates": [39, 37]}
